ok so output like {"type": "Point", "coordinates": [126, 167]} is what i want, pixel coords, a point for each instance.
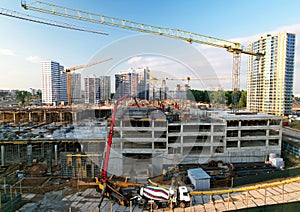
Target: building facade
{"type": "Point", "coordinates": [92, 90]}
{"type": "Point", "coordinates": [270, 78]}
{"type": "Point", "coordinates": [97, 89]}
{"type": "Point", "coordinates": [54, 83]}
{"type": "Point", "coordinates": [135, 82]}
{"type": "Point", "coordinates": [76, 87]}
{"type": "Point", "coordinates": [105, 87]}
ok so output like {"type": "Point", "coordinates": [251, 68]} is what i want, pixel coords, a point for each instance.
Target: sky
{"type": "Point", "coordinates": [24, 44]}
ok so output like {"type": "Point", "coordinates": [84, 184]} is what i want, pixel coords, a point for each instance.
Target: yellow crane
{"type": "Point", "coordinates": [188, 79]}
{"type": "Point", "coordinates": [233, 47]}
{"type": "Point", "coordinates": [68, 72]}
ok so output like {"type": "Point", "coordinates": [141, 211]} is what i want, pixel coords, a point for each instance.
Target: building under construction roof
{"type": "Point", "coordinates": [148, 136]}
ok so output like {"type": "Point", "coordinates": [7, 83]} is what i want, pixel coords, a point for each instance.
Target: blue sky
{"type": "Point", "coordinates": [23, 44]}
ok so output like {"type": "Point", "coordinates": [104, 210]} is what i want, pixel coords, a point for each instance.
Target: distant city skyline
{"type": "Point", "coordinates": [26, 43]}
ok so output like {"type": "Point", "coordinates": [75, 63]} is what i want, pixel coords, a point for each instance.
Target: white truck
{"type": "Point", "coordinates": [160, 197]}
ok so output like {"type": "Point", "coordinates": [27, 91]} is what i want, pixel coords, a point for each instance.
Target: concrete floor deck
{"type": "Point", "coordinates": [88, 200]}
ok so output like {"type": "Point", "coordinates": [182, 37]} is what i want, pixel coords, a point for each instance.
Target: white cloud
{"type": "Point", "coordinates": [33, 59]}
{"type": "Point", "coordinates": [8, 52]}
{"type": "Point", "coordinates": [134, 60]}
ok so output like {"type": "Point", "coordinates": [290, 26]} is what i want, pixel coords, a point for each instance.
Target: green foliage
{"type": "Point", "coordinates": [23, 97]}
{"type": "Point", "coordinates": [38, 95]}
{"type": "Point", "coordinates": [198, 96]}
{"type": "Point", "coordinates": [243, 99]}
{"type": "Point", "coordinates": [218, 97]}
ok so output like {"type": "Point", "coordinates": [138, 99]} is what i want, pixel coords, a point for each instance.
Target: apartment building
{"type": "Point", "coordinates": [270, 78]}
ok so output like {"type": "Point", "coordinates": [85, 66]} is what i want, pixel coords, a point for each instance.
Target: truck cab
{"type": "Point", "coordinates": [183, 196]}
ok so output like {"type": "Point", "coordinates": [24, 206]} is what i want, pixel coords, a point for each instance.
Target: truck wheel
{"type": "Point", "coordinates": [171, 206]}
{"type": "Point", "coordinates": [182, 205]}
{"type": "Point", "coordinates": [142, 202]}
{"type": "Point", "coordinates": [154, 206]}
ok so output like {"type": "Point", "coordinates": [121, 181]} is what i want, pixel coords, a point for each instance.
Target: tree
{"type": "Point", "coordinates": [243, 99]}
{"type": "Point", "coordinates": [198, 96]}
{"type": "Point", "coordinates": [23, 97]}
{"type": "Point", "coordinates": [218, 98]}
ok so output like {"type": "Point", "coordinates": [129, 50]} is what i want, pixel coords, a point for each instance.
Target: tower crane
{"type": "Point", "coordinates": [233, 47]}
{"type": "Point", "coordinates": [21, 16]}
{"type": "Point", "coordinates": [188, 79]}
{"type": "Point", "coordinates": [68, 72]}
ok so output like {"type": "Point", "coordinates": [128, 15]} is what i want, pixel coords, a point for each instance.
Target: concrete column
{"type": "Point", "coordinates": [74, 116]}
{"type": "Point", "coordinates": [29, 154]}
{"type": "Point", "coordinates": [93, 169]}
{"type": "Point", "coordinates": [14, 117]}
{"type": "Point", "coordinates": [212, 139]}
{"type": "Point", "coordinates": [239, 134]}
{"type": "Point", "coordinates": [81, 147]}
{"type": "Point", "coordinates": [61, 117]}
{"type": "Point", "coordinates": [49, 159]}
{"type": "Point", "coordinates": [181, 138]}
{"type": "Point", "coordinates": [19, 152]}
{"type": "Point", "coordinates": [55, 155]}
{"type": "Point", "coordinates": [42, 150]}
{"type": "Point", "coordinates": [45, 116]}
{"type": "Point", "coordinates": [29, 116]}
{"type": "Point", "coordinates": [3, 156]}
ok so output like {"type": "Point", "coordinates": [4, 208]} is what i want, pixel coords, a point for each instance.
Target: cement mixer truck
{"type": "Point", "coordinates": [160, 197]}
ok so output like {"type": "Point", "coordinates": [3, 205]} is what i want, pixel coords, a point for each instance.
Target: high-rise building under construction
{"type": "Point", "coordinates": [270, 78]}
{"type": "Point", "coordinates": [54, 83]}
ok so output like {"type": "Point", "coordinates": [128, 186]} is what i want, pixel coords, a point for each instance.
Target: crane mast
{"type": "Point", "coordinates": [233, 47]}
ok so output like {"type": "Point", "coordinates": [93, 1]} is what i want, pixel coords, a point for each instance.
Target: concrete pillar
{"type": "Point", "coordinates": [45, 116]}
{"type": "Point", "coordinates": [81, 147]}
{"type": "Point", "coordinates": [93, 169]}
{"type": "Point", "coordinates": [19, 152]}
{"type": "Point", "coordinates": [157, 164]}
{"type": "Point", "coordinates": [3, 156]}
{"type": "Point", "coordinates": [55, 154]}
{"type": "Point", "coordinates": [74, 117]}
{"type": "Point", "coordinates": [49, 159]}
{"type": "Point", "coordinates": [42, 150]}
{"type": "Point", "coordinates": [29, 116]}
{"type": "Point", "coordinates": [181, 138]}
{"type": "Point", "coordinates": [61, 117]}
{"type": "Point", "coordinates": [239, 134]}
{"type": "Point", "coordinates": [29, 154]}
{"type": "Point", "coordinates": [211, 139]}
{"type": "Point", "coordinates": [14, 117]}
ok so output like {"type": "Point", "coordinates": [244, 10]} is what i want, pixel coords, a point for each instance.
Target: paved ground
{"type": "Point", "coordinates": [88, 200]}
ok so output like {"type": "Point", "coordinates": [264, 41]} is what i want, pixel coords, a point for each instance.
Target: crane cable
{"type": "Point", "coordinates": [14, 14]}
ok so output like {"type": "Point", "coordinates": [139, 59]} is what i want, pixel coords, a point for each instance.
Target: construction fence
{"type": "Point", "coordinates": [286, 207]}
{"type": "Point", "coordinates": [239, 181]}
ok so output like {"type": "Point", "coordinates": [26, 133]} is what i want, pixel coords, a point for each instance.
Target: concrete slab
{"type": "Point", "coordinates": [28, 196]}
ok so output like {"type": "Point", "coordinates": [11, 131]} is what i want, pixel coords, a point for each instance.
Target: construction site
{"type": "Point", "coordinates": [133, 154]}
{"type": "Point", "coordinates": [47, 154]}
